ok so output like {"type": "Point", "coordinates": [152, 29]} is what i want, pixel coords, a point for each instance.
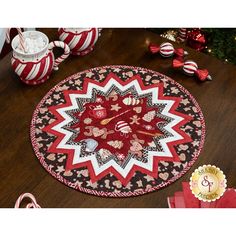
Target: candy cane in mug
{"type": "Point", "coordinates": [21, 37]}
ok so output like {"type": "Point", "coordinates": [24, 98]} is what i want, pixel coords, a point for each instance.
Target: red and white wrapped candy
{"type": "Point", "coordinates": [167, 50]}
{"type": "Point", "coordinates": [191, 68]}
{"type": "Point", "coordinates": [33, 203]}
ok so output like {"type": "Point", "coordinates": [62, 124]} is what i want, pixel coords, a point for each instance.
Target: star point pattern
{"type": "Point", "coordinates": [123, 171]}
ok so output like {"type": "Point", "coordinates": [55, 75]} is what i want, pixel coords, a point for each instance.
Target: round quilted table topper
{"type": "Point", "coordinates": [117, 131]}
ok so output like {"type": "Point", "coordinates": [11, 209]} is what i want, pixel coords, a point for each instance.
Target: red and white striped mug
{"type": "Point", "coordinates": [80, 40]}
{"type": "Point", "coordinates": [35, 68]}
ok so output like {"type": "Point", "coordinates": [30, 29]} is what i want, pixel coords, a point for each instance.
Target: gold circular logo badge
{"type": "Point", "coordinates": [208, 183]}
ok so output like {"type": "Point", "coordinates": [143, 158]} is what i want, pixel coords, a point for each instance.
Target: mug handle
{"type": "Point", "coordinates": [66, 53]}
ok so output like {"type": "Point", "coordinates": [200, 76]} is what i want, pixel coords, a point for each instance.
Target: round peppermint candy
{"type": "Point", "coordinates": [190, 67]}
{"type": "Point", "coordinates": [166, 49]}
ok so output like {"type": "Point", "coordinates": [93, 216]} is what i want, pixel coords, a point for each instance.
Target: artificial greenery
{"type": "Point", "coordinates": [221, 42]}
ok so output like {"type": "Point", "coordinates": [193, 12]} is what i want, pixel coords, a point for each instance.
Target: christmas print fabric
{"type": "Point", "coordinates": [117, 131]}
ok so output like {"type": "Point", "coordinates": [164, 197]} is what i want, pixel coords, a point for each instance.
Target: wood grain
{"type": "Point", "coordinates": [20, 171]}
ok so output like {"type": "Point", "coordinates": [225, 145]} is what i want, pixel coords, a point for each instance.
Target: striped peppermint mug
{"type": "Point", "coordinates": [35, 68]}
{"type": "Point", "coordinates": [80, 40]}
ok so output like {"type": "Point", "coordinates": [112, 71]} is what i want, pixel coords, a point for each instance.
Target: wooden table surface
{"type": "Point", "coordinates": [20, 170]}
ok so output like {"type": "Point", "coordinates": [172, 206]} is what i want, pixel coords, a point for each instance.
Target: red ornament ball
{"type": "Point", "coordinates": [196, 39]}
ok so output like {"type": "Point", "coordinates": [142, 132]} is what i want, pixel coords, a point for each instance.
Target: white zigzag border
{"type": "Point", "coordinates": [123, 171]}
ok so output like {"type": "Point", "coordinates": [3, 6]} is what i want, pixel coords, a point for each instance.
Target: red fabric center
{"type": "Point", "coordinates": [144, 128]}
